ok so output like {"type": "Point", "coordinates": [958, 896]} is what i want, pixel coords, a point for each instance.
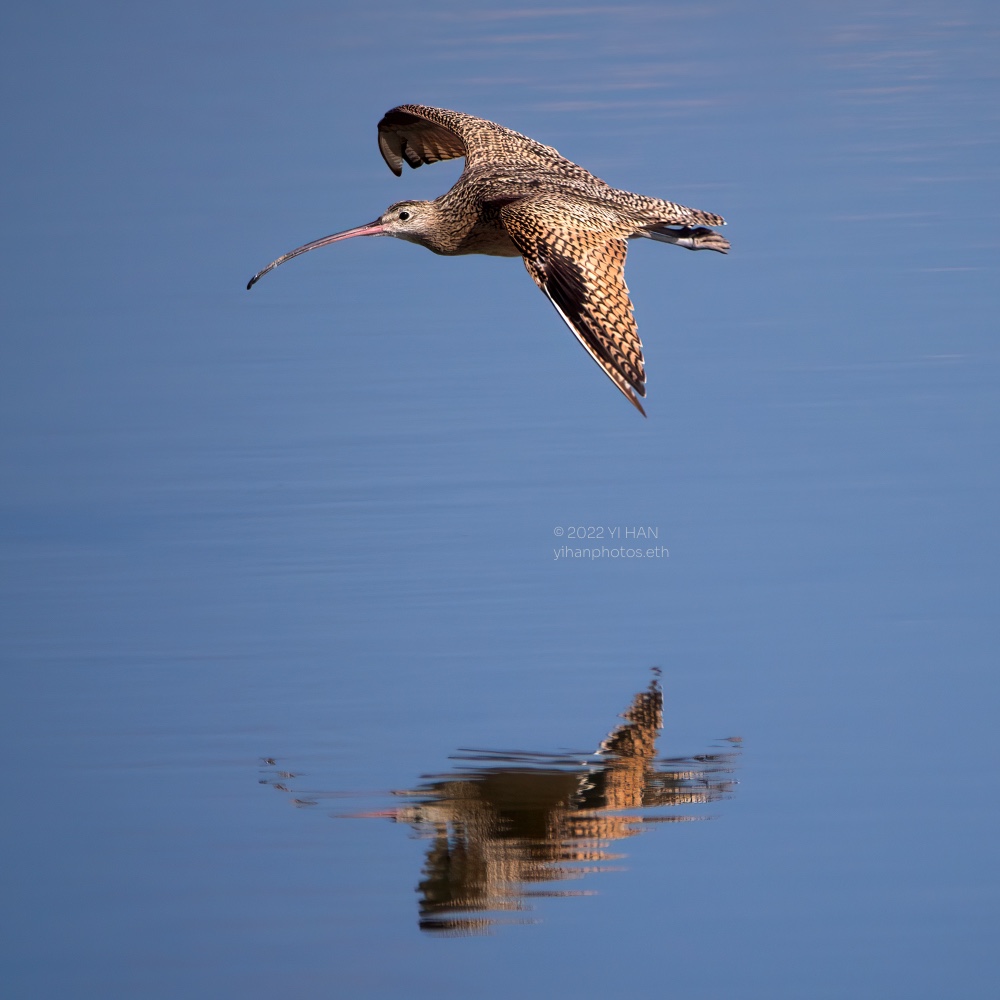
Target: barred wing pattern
{"type": "Point", "coordinates": [422, 135]}
{"type": "Point", "coordinates": [581, 268]}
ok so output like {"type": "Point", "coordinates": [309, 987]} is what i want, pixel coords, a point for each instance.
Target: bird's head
{"type": "Point", "coordinates": [414, 221]}
{"type": "Point", "coordinates": [409, 220]}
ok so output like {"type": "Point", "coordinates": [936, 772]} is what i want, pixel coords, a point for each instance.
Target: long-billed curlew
{"type": "Point", "coordinates": [518, 198]}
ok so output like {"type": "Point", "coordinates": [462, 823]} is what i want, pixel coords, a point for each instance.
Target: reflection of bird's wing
{"type": "Point", "coordinates": [576, 254]}
{"type": "Point", "coordinates": [421, 135]}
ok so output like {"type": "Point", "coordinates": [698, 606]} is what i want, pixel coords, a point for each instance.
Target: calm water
{"type": "Point", "coordinates": [298, 546]}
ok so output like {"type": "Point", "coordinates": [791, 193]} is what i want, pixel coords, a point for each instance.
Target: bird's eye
{"type": "Point", "coordinates": [403, 216]}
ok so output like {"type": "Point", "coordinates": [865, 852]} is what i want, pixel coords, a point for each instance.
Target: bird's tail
{"type": "Point", "coordinates": [698, 238]}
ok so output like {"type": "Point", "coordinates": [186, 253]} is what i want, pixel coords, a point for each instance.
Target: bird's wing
{"type": "Point", "coordinates": [421, 135]}
{"type": "Point", "coordinates": [576, 254]}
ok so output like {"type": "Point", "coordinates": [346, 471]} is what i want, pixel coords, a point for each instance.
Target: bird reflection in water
{"type": "Point", "coordinates": [503, 827]}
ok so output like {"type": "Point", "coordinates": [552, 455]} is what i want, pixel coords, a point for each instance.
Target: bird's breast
{"type": "Point", "coordinates": [487, 237]}
{"type": "Point", "coordinates": [472, 229]}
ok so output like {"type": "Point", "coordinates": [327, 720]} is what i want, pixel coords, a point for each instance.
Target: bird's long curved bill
{"type": "Point", "coordinates": [372, 229]}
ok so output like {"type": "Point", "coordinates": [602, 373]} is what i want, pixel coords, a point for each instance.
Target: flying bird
{"type": "Point", "coordinates": [519, 198]}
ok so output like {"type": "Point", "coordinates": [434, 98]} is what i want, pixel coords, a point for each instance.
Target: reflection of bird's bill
{"type": "Point", "coordinates": [371, 229]}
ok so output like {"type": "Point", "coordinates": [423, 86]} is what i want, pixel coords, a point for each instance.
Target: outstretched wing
{"type": "Point", "coordinates": [578, 261]}
{"type": "Point", "coordinates": [421, 135]}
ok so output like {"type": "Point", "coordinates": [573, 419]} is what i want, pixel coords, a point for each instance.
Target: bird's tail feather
{"type": "Point", "coordinates": [698, 238]}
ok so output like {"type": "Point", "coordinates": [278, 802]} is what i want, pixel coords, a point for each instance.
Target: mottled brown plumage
{"type": "Point", "coordinates": [519, 198]}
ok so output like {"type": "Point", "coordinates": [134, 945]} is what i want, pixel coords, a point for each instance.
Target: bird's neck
{"type": "Point", "coordinates": [444, 229]}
